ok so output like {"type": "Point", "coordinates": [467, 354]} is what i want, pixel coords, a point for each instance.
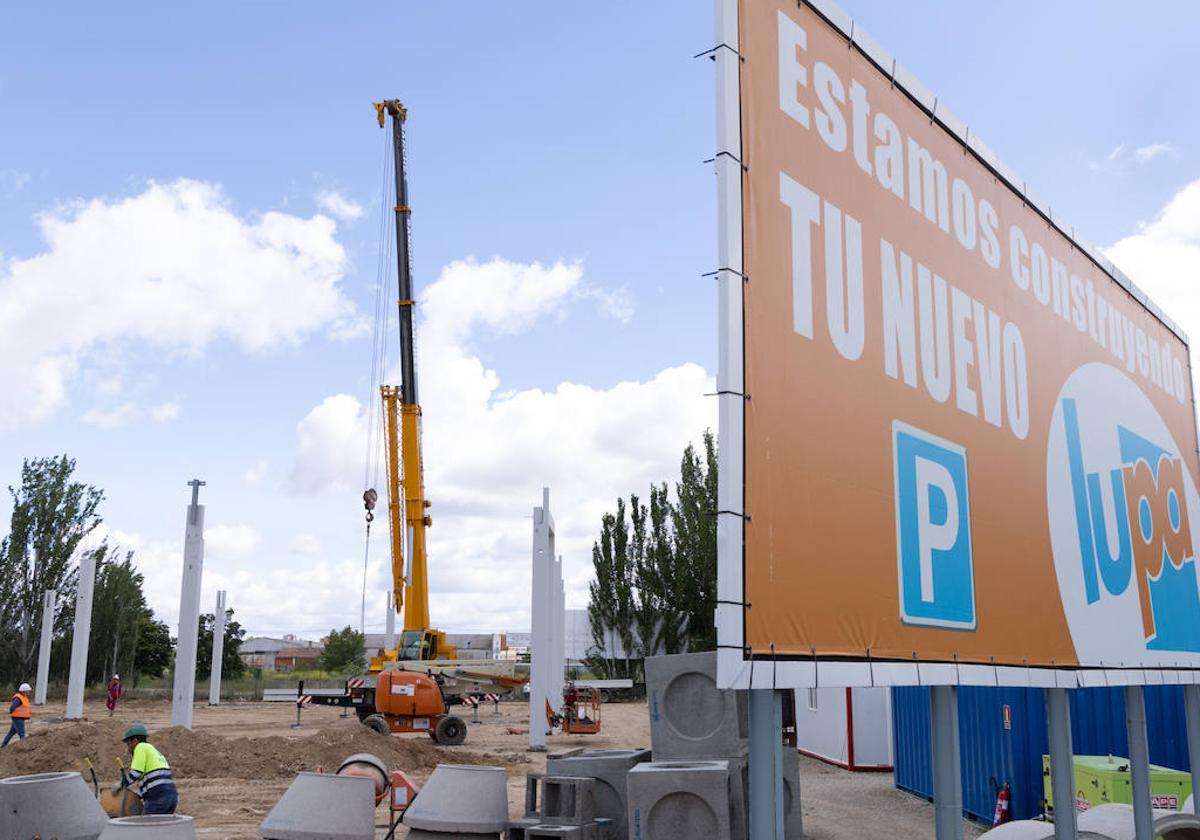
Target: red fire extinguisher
{"type": "Point", "coordinates": [1003, 797]}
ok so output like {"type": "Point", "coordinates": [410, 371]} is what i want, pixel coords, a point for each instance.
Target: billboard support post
{"type": "Point", "coordinates": [766, 765]}
{"type": "Point", "coordinates": [1139, 761]}
{"type": "Point", "coordinates": [947, 778]}
{"type": "Point", "coordinates": [1191, 705]}
{"type": "Point", "coordinates": [1062, 763]}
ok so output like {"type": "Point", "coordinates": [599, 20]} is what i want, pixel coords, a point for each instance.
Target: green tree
{"type": "Point", "coordinates": [602, 600]}
{"type": "Point", "coordinates": [119, 611]}
{"type": "Point", "coordinates": [51, 517]}
{"type": "Point", "coordinates": [345, 652]}
{"type": "Point", "coordinates": [155, 650]}
{"type": "Point", "coordinates": [655, 585]}
{"type": "Point", "coordinates": [232, 665]}
{"type": "Point", "coordinates": [695, 526]}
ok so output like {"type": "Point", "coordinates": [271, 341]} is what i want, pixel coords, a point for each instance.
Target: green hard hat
{"type": "Point", "coordinates": [137, 730]}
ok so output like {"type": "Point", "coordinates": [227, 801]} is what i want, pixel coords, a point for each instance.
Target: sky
{"type": "Point", "coordinates": [190, 213]}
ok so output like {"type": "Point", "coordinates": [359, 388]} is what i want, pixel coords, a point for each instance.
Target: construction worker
{"type": "Point", "coordinates": [150, 770]}
{"type": "Point", "coordinates": [113, 694]}
{"type": "Point", "coordinates": [20, 711]}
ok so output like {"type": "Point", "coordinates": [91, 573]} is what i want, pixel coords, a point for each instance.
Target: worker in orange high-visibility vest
{"type": "Point", "coordinates": [20, 711]}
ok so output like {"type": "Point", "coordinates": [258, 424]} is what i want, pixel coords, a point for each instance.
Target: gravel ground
{"type": "Point", "coordinates": [838, 805]}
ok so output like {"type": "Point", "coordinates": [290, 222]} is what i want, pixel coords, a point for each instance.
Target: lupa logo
{"type": "Point", "coordinates": [1122, 505]}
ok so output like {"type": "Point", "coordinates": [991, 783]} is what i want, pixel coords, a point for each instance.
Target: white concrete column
{"type": "Point", "coordinates": [542, 622]}
{"type": "Point", "coordinates": [184, 691]}
{"type": "Point", "coordinates": [77, 680]}
{"type": "Point", "coordinates": [218, 651]}
{"type": "Point", "coordinates": [43, 666]}
{"type": "Point", "coordinates": [389, 641]}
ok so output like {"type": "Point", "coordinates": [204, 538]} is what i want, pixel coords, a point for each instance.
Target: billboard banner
{"type": "Point", "coordinates": [963, 440]}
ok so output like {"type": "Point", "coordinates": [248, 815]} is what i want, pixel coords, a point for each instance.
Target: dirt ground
{"type": "Point", "coordinates": [240, 757]}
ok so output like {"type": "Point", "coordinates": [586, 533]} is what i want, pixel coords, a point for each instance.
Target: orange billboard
{"type": "Point", "coordinates": [965, 440]}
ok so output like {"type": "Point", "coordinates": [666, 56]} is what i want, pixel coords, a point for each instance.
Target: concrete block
{"type": "Point", "coordinates": [568, 800]}
{"type": "Point", "coordinates": [517, 828]}
{"type": "Point", "coordinates": [322, 806]}
{"type": "Point", "coordinates": [609, 768]}
{"type": "Point", "coordinates": [533, 799]}
{"type": "Point", "coordinates": [678, 800]}
{"type": "Point", "coordinates": [689, 716]}
{"type": "Point", "coordinates": [574, 832]}
{"type": "Point", "coordinates": [739, 784]}
{"type": "Point", "coordinates": [461, 798]}
{"type": "Point", "coordinates": [56, 805]}
{"type": "Point", "coordinates": [152, 827]}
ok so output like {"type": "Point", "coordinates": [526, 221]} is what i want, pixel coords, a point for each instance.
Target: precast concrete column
{"type": "Point", "coordinates": [43, 666]}
{"type": "Point", "coordinates": [77, 679]}
{"type": "Point", "coordinates": [184, 691]}
{"type": "Point", "coordinates": [542, 614]}
{"type": "Point", "coordinates": [947, 775]}
{"type": "Point", "coordinates": [389, 641]}
{"type": "Point", "coordinates": [766, 764]}
{"type": "Point", "coordinates": [1191, 705]}
{"type": "Point", "coordinates": [218, 651]}
{"type": "Point", "coordinates": [1139, 761]}
{"type": "Point", "coordinates": [1062, 762]}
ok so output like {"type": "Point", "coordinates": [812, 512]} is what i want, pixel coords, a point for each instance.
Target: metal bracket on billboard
{"type": "Point", "coordinates": [746, 397]}
{"type": "Point", "coordinates": [712, 52]}
{"type": "Point", "coordinates": [732, 157]}
{"type": "Point", "coordinates": [745, 277]}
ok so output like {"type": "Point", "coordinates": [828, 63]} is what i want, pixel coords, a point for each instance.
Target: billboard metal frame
{"type": "Point", "coordinates": [739, 667]}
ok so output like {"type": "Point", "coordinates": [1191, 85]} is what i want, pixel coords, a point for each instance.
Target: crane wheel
{"type": "Point", "coordinates": [377, 723]}
{"type": "Point", "coordinates": [450, 731]}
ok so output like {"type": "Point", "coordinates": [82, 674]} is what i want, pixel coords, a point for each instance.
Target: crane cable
{"type": "Point", "coordinates": [379, 347]}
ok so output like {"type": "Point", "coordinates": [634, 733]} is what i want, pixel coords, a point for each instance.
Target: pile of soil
{"type": "Point", "coordinates": [205, 754]}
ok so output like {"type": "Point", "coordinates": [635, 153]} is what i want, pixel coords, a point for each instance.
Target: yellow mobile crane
{"type": "Point", "coordinates": [407, 505]}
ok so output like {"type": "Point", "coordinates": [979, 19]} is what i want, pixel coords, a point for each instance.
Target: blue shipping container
{"type": "Point", "coordinates": [997, 746]}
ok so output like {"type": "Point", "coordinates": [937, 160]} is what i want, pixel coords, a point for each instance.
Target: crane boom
{"type": "Point", "coordinates": [402, 432]}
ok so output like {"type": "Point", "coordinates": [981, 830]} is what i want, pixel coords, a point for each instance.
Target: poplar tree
{"type": "Point", "coordinates": [655, 584]}
{"type": "Point", "coordinates": [51, 516]}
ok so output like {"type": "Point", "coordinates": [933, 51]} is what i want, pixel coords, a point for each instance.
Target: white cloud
{"type": "Point", "coordinates": [328, 438]}
{"type": "Point", "coordinates": [1116, 152]}
{"type": "Point", "coordinates": [305, 544]}
{"type": "Point", "coordinates": [111, 418]}
{"type": "Point", "coordinates": [173, 269]}
{"type": "Point", "coordinates": [256, 473]}
{"type": "Point", "coordinates": [263, 600]}
{"type": "Point", "coordinates": [1163, 258]}
{"type": "Point", "coordinates": [230, 541]}
{"type": "Point", "coordinates": [14, 179]}
{"type": "Point", "coordinates": [1149, 153]}
{"type": "Point", "coordinates": [166, 412]}
{"type": "Point", "coordinates": [488, 452]}
{"type": "Point", "coordinates": [340, 206]}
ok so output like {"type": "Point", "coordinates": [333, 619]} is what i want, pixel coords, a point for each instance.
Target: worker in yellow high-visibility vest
{"type": "Point", "coordinates": [20, 711]}
{"type": "Point", "coordinates": [150, 771]}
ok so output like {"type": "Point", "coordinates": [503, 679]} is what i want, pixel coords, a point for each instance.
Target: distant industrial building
{"type": "Point", "coordinates": [264, 652]}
